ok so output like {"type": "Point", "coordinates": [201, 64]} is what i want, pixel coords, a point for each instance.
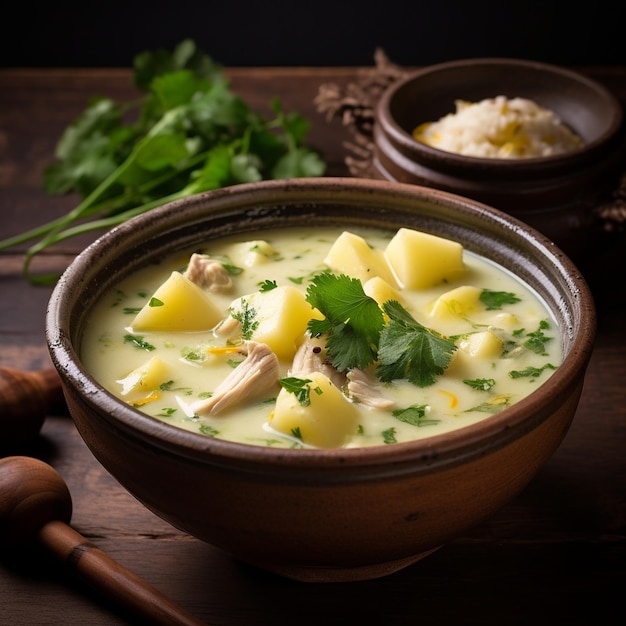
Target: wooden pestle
{"type": "Point", "coordinates": [35, 504]}
{"type": "Point", "coordinates": [25, 400]}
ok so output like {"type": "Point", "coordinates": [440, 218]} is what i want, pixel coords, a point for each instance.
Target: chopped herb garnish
{"type": "Point", "coordinates": [166, 412]}
{"type": "Point", "coordinates": [246, 316]}
{"type": "Point", "coordinates": [169, 386]}
{"type": "Point", "coordinates": [267, 285]}
{"type": "Point", "coordinates": [415, 415]}
{"type": "Point", "coordinates": [131, 310]}
{"type": "Point", "coordinates": [138, 342]}
{"type": "Point", "coordinates": [495, 300]}
{"type": "Point", "coordinates": [105, 339]}
{"type": "Point", "coordinates": [508, 346]}
{"type": "Point", "coordinates": [389, 435]}
{"type": "Point", "coordinates": [227, 264]}
{"type": "Point", "coordinates": [193, 354]}
{"type": "Point", "coordinates": [208, 430]}
{"type": "Point", "coordinates": [296, 433]}
{"type": "Point", "coordinates": [531, 372]}
{"type": "Point", "coordinates": [481, 384]}
{"type": "Point", "coordinates": [299, 387]}
{"type": "Point", "coordinates": [494, 405]}
{"type": "Point", "coordinates": [536, 341]}
{"type": "Point", "coordinates": [155, 302]}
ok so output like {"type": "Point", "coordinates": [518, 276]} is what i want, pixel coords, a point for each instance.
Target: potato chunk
{"type": "Point", "coordinates": [278, 318]}
{"type": "Point", "coordinates": [459, 302]}
{"type": "Point", "coordinates": [381, 290]}
{"type": "Point", "coordinates": [253, 253]}
{"type": "Point", "coordinates": [145, 378]}
{"type": "Point", "coordinates": [484, 345]}
{"type": "Point", "coordinates": [328, 421]}
{"type": "Point", "coordinates": [178, 305]}
{"type": "Point", "coordinates": [421, 260]}
{"type": "Point", "coordinates": [350, 254]}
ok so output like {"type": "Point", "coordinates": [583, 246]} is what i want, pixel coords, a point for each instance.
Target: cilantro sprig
{"type": "Point", "coordinates": [187, 133]}
{"type": "Point", "coordinates": [358, 336]}
{"type": "Point", "coordinates": [353, 321]}
{"type": "Point", "coordinates": [410, 350]}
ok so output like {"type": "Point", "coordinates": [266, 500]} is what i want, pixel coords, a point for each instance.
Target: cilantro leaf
{"type": "Point", "coordinates": [495, 300]}
{"type": "Point", "coordinates": [389, 436]}
{"type": "Point", "coordinates": [495, 405]}
{"type": "Point", "coordinates": [138, 342]}
{"type": "Point", "coordinates": [353, 321]}
{"type": "Point", "coordinates": [536, 340]}
{"type": "Point", "coordinates": [299, 387]}
{"type": "Point", "coordinates": [415, 415]}
{"type": "Point", "coordinates": [267, 285]}
{"type": "Point", "coordinates": [480, 384]}
{"type": "Point", "coordinates": [410, 350]}
{"type": "Point", "coordinates": [531, 372]}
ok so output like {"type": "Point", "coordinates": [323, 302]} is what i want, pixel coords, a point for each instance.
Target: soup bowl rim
{"type": "Point", "coordinates": [425, 454]}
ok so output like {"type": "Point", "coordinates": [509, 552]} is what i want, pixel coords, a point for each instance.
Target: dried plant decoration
{"type": "Point", "coordinates": [354, 106]}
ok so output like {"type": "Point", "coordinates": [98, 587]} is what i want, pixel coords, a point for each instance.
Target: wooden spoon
{"type": "Point", "coordinates": [25, 400]}
{"type": "Point", "coordinates": [35, 504]}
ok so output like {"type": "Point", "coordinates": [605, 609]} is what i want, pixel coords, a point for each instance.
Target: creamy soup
{"type": "Point", "coordinates": [322, 338]}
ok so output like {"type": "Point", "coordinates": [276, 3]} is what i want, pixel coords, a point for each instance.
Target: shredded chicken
{"type": "Point", "coordinates": [256, 376]}
{"type": "Point", "coordinates": [208, 274]}
{"type": "Point", "coordinates": [363, 388]}
{"type": "Point", "coordinates": [228, 328]}
{"type": "Point", "coordinates": [311, 357]}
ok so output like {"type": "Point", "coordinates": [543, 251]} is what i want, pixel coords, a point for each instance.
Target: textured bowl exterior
{"type": "Point", "coordinates": [323, 515]}
{"type": "Point", "coordinates": [554, 194]}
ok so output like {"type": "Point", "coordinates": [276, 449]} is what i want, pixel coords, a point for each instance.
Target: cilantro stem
{"type": "Point", "coordinates": [29, 235]}
{"type": "Point", "coordinates": [80, 229]}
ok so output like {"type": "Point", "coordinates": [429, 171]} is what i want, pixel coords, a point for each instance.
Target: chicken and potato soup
{"type": "Point", "coordinates": [321, 338]}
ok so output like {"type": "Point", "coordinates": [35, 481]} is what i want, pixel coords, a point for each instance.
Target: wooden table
{"type": "Point", "coordinates": [555, 553]}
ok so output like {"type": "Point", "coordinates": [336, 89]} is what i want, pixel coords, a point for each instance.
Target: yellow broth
{"type": "Point", "coordinates": [522, 348]}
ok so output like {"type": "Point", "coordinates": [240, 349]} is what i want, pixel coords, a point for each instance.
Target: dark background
{"type": "Point", "coordinates": [323, 33]}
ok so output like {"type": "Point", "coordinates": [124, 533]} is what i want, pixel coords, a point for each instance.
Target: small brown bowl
{"type": "Point", "coordinates": [556, 194]}
{"type": "Point", "coordinates": [331, 514]}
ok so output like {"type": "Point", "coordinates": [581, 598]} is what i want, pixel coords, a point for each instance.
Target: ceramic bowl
{"type": "Point", "coordinates": [332, 514]}
{"type": "Point", "coordinates": [558, 194]}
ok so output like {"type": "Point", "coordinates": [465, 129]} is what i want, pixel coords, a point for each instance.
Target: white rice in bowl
{"type": "Point", "coordinates": [499, 127]}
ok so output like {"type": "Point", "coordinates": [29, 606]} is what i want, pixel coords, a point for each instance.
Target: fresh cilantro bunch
{"type": "Point", "coordinates": [188, 133]}
{"type": "Point", "coordinates": [358, 335]}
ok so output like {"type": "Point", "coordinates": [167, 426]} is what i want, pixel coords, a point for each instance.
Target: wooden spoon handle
{"type": "Point", "coordinates": [35, 504]}
{"type": "Point", "coordinates": [25, 400]}
{"type": "Point", "coordinates": [111, 578]}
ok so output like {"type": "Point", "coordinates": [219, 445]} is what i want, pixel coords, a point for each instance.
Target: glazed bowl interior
{"type": "Point", "coordinates": [585, 106]}
{"type": "Point", "coordinates": [342, 508]}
